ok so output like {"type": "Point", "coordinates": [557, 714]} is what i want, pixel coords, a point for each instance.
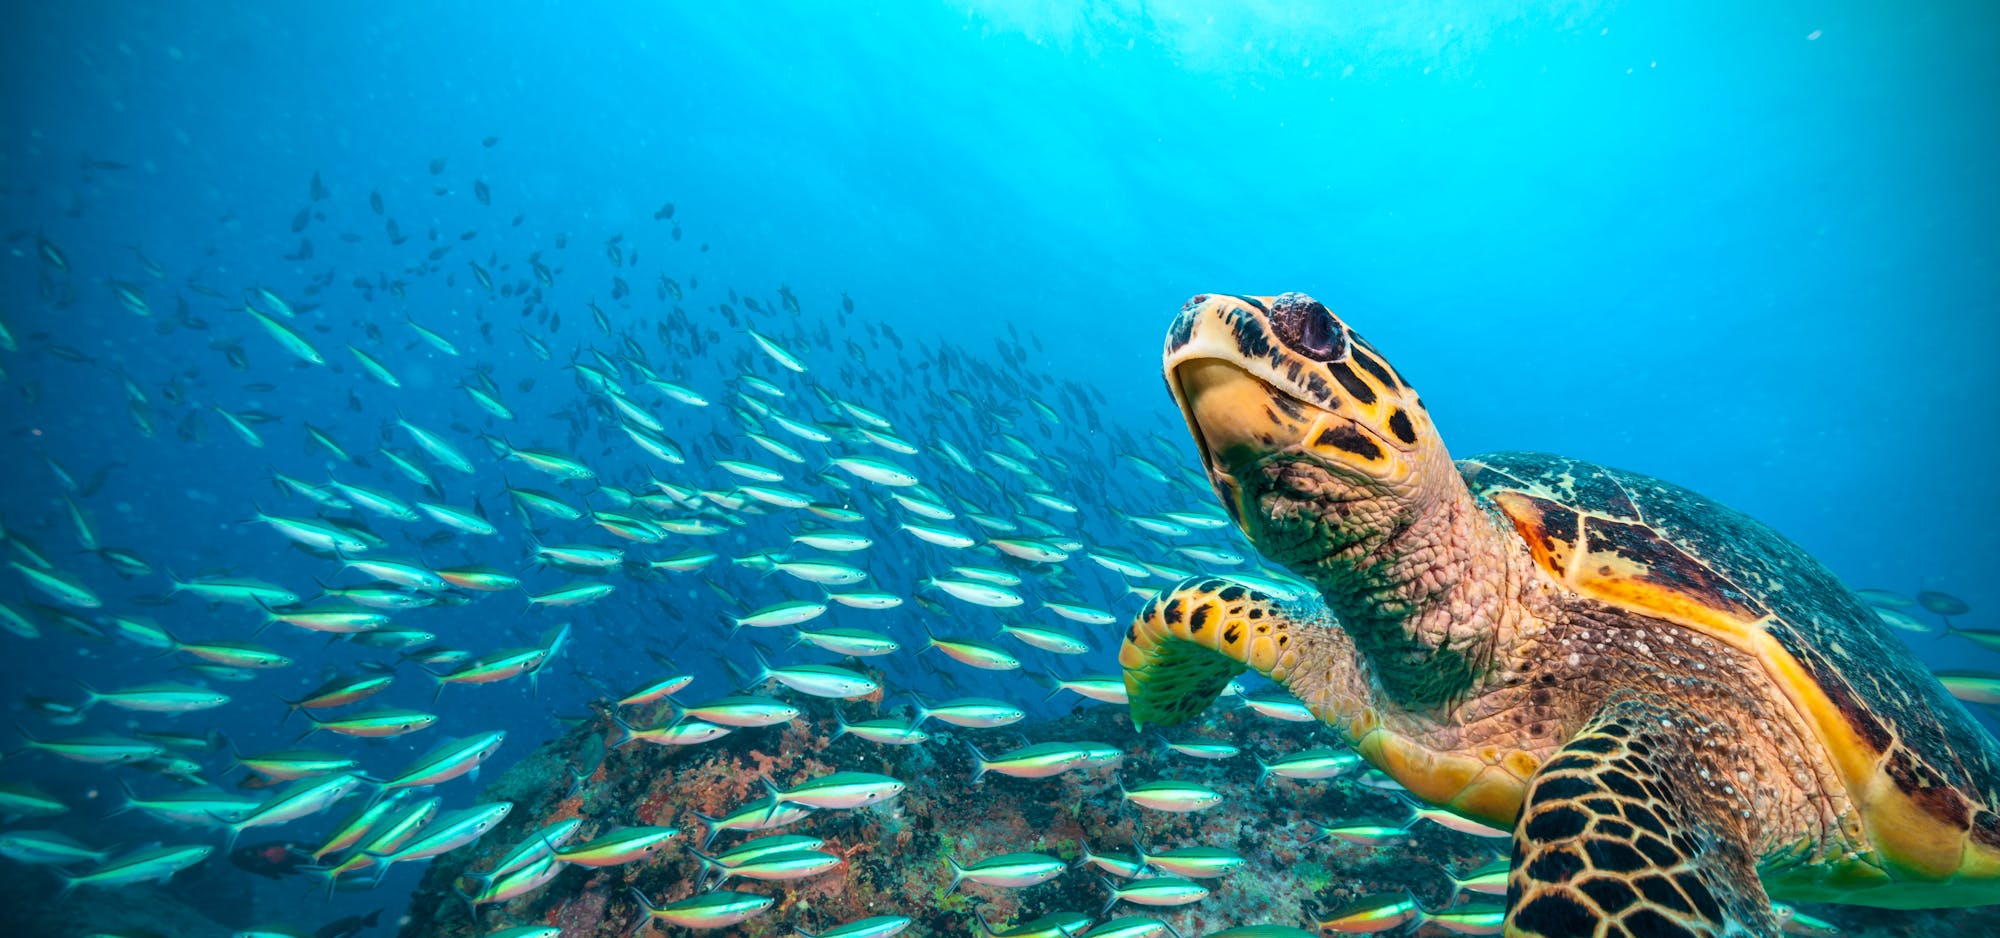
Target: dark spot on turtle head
{"type": "Point", "coordinates": [1373, 367]}
{"type": "Point", "coordinates": [1356, 388]}
{"type": "Point", "coordinates": [1132, 633]}
{"type": "Point", "coordinates": [1345, 437]}
{"type": "Point", "coordinates": [1198, 619]}
{"type": "Point", "coordinates": [1232, 632]}
{"type": "Point", "coordinates": [1171, 614]}
{"type": "Point", "coordinates": [1232, 593]}
{"type": "Point", "coordinates": [1306, 327]}
{"type": "Point", "coordinates": [1182, 330]}
{"type": "Point", "coordinates": [1321, 393]}
{"type": "Point", "coordinates": [1399, 424]}
{"type": "Point", "coordinates": [1252, 341]}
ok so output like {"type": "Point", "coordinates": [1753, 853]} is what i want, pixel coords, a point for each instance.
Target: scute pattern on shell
{"type": "Point", "coordinates": [1935, 750]}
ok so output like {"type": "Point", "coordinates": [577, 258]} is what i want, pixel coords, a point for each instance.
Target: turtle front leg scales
{"type": "Point", "coordinates": [1619, 838]}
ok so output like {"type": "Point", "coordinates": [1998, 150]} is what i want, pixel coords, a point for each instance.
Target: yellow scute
{"type": "Point", "coordinates": [1920, 851]}
{"type": "Point", "coordinates": [1669, 604]}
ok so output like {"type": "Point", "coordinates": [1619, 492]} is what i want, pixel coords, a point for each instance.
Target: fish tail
{"type": "Point", "coordinates": [1111, 888]}
{"type": "Point", "coordinates": [1084, 858]}
{"type": "Point", "coordinates": [710, 826]}
{"type": "Point", "coordinates": [978, 760]}
{"type": "Point", "coordinates": [33, 741]}
{"type": "Point", "coordinates": [957, 876]}
{"type": "Point", "coordinates": [743, 677]}
{"type": "Point", "coordinates": [625, 732]}
{"type": "Point", "coordinates": [1055, 683]}
{"type": "Point", "coordinates": [471, 908]}
{"type": "Point", "coordinates": [125, 787]}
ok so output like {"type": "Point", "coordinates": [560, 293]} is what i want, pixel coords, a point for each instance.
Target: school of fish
{"type": "Point", "coordinates": [853, 503]}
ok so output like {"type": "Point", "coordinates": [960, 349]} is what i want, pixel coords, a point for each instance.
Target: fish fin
{"type": "Point", "coordinates": [978, 761]}
{"type": "Point", "coordinates": [1111, 888]}
{"type": "Point", "coordinates": [957, 875]}
{"type": "Point", "coordinates": [708, 826]}
{"type": "Point", "coordinates": [126, 788]}
{"type": "Point", "coordinates": [625, 732]}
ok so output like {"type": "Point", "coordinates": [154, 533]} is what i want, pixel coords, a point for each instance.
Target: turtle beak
{"type": "Point", "coordinates": [1214, 397]}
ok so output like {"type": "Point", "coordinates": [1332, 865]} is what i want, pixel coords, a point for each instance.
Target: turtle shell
{"type": "Point", "coordinates": [1923, 774]}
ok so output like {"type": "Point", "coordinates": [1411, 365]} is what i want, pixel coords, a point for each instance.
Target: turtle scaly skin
{"type": "Point", "coordinates": [1679, 713]}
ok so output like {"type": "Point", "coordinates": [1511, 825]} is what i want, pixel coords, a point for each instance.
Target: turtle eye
{"type": "Point", "coordinates": [1307, 328]}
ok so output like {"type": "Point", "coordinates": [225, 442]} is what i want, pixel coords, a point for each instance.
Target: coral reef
{"type": "Point", "coordinates": [895, 853]}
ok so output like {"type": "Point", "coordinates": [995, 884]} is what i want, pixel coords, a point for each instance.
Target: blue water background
{"type": "Point", "coordinates": [1749, 248]}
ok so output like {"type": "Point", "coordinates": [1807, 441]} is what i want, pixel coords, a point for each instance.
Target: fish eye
{"type": "Point", "coordinates": [1306, 327]}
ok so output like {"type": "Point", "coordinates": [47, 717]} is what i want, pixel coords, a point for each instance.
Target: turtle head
{"type": "Point", "coordinates": [1311, 440]}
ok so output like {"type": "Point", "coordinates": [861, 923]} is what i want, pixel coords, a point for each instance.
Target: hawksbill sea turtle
{"type": "Point", "coordinates": [1680, 714]}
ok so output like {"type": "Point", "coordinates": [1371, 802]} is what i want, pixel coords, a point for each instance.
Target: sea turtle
{"type": "Point", "coordinates": [1679, 713]}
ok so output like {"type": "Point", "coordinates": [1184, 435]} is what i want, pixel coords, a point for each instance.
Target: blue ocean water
{"type": "Point", "coordinates": [1749, 249]}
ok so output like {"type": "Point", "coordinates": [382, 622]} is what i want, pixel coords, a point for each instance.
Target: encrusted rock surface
{"type": "Point", "coordinates": [895, 854]}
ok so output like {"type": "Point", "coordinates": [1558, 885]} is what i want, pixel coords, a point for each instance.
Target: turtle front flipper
{"type": "Point", "coordinates": [1186, 644]}
{"type": "Point", "coordinates": [1620, 836]}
